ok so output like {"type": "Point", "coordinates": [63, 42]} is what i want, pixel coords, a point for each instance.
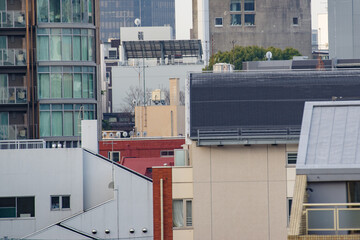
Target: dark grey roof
{"type": "Point", "coordinates": [256, 106]}
{"type": "Point", "coordinates": [329, 146]}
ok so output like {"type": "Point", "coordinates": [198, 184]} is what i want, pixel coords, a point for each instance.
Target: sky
{"type": "Point", "coordinates": [183, 17]}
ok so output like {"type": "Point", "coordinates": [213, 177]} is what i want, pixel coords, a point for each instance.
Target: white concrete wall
{"type": "Point", "coordinates": [40, 173]}
{"type": "Point", "coordinates": [89, 133]}
{"type": "Point", "coordinates": [156, 77]}
{"type": "Point", "coordinates": [149, 33]}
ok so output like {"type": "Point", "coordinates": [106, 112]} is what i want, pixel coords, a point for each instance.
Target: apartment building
{"type": "Point", "coordinates": [48, 69]}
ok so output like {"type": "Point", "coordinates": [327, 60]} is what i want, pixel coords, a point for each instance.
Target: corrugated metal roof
{"type": "Point", "coordinates": [330, 140]}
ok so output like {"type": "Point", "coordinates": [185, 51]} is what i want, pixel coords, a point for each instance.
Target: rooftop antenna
{"type": "Point", "coordinates": [268, 55]}
{"type": "Point", "coordinates": [137, 22]}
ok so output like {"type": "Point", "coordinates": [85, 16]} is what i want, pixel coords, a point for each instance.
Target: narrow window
{"type": "Point", "coordinates": [235, 5]}
{"type": "Point", "coordinates": [295, 21]}
{"type": "Point", "coordinates": [182, 213]}
{"type": "Point", "coordinates": [115, 156]}
{"type": "Point", "coordinates": [55, 203]}
{"type": "Point", "coordinates": [291, 158]}
{"type": "Point", "coordinates": [289, 205]}
{"type": "Point", "coordinates": [60, 203]}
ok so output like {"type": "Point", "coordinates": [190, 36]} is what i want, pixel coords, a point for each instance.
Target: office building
{"type": "Point", "coordinates": [344, 29]}
{"type": "Point", "coordinates": [116, 14]}
{"type": "Point", "coordinates": [223, 24]}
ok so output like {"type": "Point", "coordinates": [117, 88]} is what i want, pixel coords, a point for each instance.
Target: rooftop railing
{"type": "Point", "coordinates": [13, 95]}
{"type": "Point", "coordinates": [12, 19]}
{"type": "Point", "coordinates": [12, 57]}
{"type": "Point", "coordinates": [335, 217]}
{"type": "Point", "coordinates": [22, 144]}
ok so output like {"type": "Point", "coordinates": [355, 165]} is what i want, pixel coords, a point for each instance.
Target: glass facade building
{"type": "Point", "coordinates": [115, 14]}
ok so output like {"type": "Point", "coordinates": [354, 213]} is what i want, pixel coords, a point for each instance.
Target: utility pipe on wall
{"type": "Point", "coordinates": [162, 209]}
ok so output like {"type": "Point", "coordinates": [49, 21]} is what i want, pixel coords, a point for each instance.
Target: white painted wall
{"type": "Point", "coordinates": [40, 173]}
{"type": "Point", "coordinates": [89, 133]}
{"type": "Point", "coordinates": [149, 33]}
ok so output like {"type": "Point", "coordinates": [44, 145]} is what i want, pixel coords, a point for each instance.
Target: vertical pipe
{"type": "Point", "coordinates": [162, 209]}
{"type": "Point", "coordinates": [172, 123]}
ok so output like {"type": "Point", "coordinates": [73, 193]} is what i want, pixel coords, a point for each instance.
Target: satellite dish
{"type": "Point", "coordinates": [137, 22]}
{"type": "Point", "coordinates": [131, 133]}
{"type": "Point", "coordinates": [118, 134]}
{"type": "Point", "coordinates": [125, 134]}
{"type": "Point", "coordinates": [104, 135]}
{"type": "Point", "coordinates": [268, 55]}
{"type": "Point", "coordinates": [111, 135]}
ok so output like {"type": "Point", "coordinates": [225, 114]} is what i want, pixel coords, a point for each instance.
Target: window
{"type": "Point", "coordinates": [182, 213]}
{"type": "Point", "coordinates": [17, 207]}
{"type": "Point", "coordinates": [218, 22]}
{"type": "Point", "coordinates": [60, 203]}
{"type": "Point", "coordinates": [289, 205]}
{"type": "Point", "coordinates": [295, 21]}
{"type": "Point", "coordinates": [249, 19]}
{"type": "Point", "coordinates": [249, 5]}
{"type": "Point", "coordinates": [235, 5]}
{"type": "Point", "coordinates": [235, 19]}
{"type": "Point", "coordinates": [291, 158]}
{"type": "Point", "coordinates": [140, 35]}
{"type": "Point", "coordinates": [115, 156]}
{"type": "Point", "coordinates": [166, 153]}
{"type": "Point", "coordinates": [64, 119]}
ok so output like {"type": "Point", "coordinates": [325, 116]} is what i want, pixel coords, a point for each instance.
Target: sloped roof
{"type": "Point", "coordinates": [329, 148]}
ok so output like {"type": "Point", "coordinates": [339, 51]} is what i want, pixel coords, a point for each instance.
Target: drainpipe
{"type": "Point", "coordinates": [162, 209]}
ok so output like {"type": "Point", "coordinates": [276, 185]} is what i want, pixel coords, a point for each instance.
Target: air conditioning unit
{"type": "Point", "coordinates": [104, 135]}
{"type": "Point", "coordinates": [111, 135]}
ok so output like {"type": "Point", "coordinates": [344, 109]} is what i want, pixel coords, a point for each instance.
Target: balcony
{"type": "Point", "coordinates": [12, 19]}
{"type": "Point", "coordinates": [13, 95]}
{"type": "Point", "coordinates": [12, 57]}
{"type": "Point", "coordinates": [13, 132]}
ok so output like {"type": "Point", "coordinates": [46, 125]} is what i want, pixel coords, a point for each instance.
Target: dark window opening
{"type": "Point", "coordinates": [249, 19]}
{"type": "Point", "coordinates": [295, 21]}
{"type": "Point", "coordinates": [218, 21]}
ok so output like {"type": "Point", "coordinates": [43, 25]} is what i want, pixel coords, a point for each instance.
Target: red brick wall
{"type": "Point", "coordinates": [166, 175]}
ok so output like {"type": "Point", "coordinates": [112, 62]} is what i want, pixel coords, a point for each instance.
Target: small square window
{"type": "Point", "coordinates": [249, 19]}
{"type": "Point", "coordinates": [115, 156]}
{"type": "Point", "coordinates": [65, 202]}
{"type": "Point", "coordinates": [235, 5]}
{"type": "Point", "coordinates": [235, 19]}
{"type": "Point", "coordinates": [295, 21]}
{"type": "Point", "coordinates": [60, 202]}
{"type": "Point", "coordinates": [55, 203]}
{"type": "Point", "coordinates": [218, 22]}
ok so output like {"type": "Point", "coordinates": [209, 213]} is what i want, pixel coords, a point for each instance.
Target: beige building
{"type": "Point", "coordinates": [162, 120]}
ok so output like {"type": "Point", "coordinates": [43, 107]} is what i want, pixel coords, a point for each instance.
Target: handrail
{"type": "Point", "coordinates": [22, 144]}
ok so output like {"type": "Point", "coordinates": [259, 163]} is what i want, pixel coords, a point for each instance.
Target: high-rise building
{"type": "Point", "coordinates": [115, 14]}
{"type": "Point", "coordinates": [222, 24]}
{"type": "Point", "coordinates": [344, 29]}
{"type": "Point", "coordinates": [48, 69]}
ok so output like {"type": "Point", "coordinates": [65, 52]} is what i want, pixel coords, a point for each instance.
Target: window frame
{"type": "Point", "coordinates": [60, 199]}
{"type": "Point", "coordinates": [167, 153]}
{"type": "Point", "coordinates": [222, 22]}
{"type": "Point", "coordinates": [297, 21]}
{"type": "Point", "coordinates": [184, 213]}
{"type": "Point", "coordinates": [246, 24]}
{"type": "Point", "coordinates": [111, 155]}
{"type": "Point", "coordinates": [235, 2]}
{"type": "Point", "coordinates": [253, 10]}
{"type": "Point", "coordinates": [17, 207]}
{"type": "Point", "coordinates": [287, 159]}
{"type": "Point", "coordinates": [231, 20]}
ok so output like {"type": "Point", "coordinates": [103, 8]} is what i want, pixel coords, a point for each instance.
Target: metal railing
{"type": "Point", "coordinates": [13, 132]}
{"type": "Point", "coordinates": [12, 19]}
{"type": "Point", "coordinates": [22, 144]}
{"type": "Point", "coordinates": [13, 95]}
{"type": "Point", "coordinates": [332, 217]}
{"type": "Point", "coordinates": [12, 57]}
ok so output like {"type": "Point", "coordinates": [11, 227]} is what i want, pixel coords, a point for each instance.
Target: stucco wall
{"type": "Point", "coordinates": [40, 173]}
{"type": "Point", "coordinates": [240, 191]}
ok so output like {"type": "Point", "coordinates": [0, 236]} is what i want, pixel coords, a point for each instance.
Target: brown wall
{"type": "Point", "coordinates": [164, 173]}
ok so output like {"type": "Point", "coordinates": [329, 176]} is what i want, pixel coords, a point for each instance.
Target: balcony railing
{"type": "Point", "coordinates": [13, 132]}
{"type": "Point", "coordinates": [22, 144]}
{"type": "Point", "coordinates": [12, 57]}
{"type": "Point", "coordinates": [332, 217]}
{"type": "Point", "coordinates": [12, 19]}
{"type": "Point", "coordinates": [13, 95]}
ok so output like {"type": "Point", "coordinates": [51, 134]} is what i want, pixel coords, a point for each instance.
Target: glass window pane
{"type": "Point", "coordinates": [42, 10]}
{"type": "Point", "coordinates": [235, 19]}
{"type": "Point", "coordinates": [91, 47]}
{"type": "Point", "coordinates": [56, 124]}
{"type": "Point", "coordinates": [188, 213]}
{"type": "Point", "coordinates": [68, 85]}
{"type": "Point", "coordinates": [26, 206]}
{"type": "Point", "coordinates": [249, 19]}
{"type": "Point", "coordinates": [66, 48]}
{"type": "Point", "coordinates": [84, 48]}
{"type": "Point", "coordinates": [90, 11]}
{"type": "Point", "coordinates": [44, 85]}
{"type": "Point", "coordinates": [91, 86]}
{"type": "Point", "coordinates": [249, 5]}
{"type": "Point", "coordinates": [66, 11]}
{"type": "Point", "coordinates": [77, 122]}
{"type": "Point", "coordinates": [3, 42]}
{"type": "Point", "coordinates": [85, 86]}
{"type": "Point", "coordinates": [76, 48]}
{"type": "Point", "coordinates": [235, 5]}
{"type": "Point", "coordinates": [68, 124]}
{"type": "Point", "coordinates": [2, 5]}
{"type": "Point", "coordinates": [44, 124]}
{"type": "Point", "coordinates": [77, 85]}
{"type": "Point", "coordinates": [43, 51]}
{"type": "Point", "coordinates": [178, 218]}
{"type": "Point", "coordinates": [55, 203]}
{"type": "Point", "coordinates": [55, 48]}
{"type": "Point", "coordinates": [84, 8]}
{"type": "Point", "coordinates": [54, 10]}
{"type": "Point", "coordinates": [76, 11]}
{"type": "Point", "coordinates": [65, 202]}
{"type": "Point", "coordinates": [55, 85]}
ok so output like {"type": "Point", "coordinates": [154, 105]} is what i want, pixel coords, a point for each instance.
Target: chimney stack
{"type": "Point", "coordinates": [174, 91]}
